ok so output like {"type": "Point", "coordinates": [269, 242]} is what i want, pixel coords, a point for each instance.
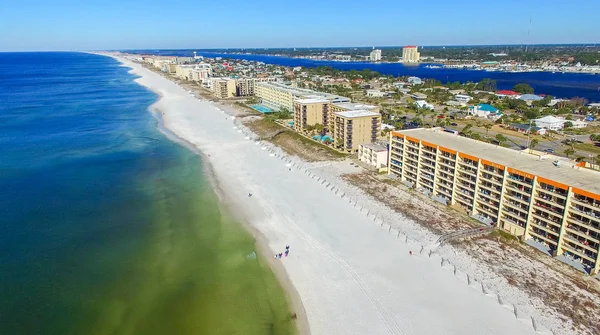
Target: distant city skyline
{"type": "Point", "coordinates": [36, 25]}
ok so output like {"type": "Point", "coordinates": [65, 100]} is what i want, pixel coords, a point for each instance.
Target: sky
{"type": "Point", "coordinates": [41, 25]}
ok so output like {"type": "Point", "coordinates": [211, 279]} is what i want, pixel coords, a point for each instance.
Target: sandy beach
{"type": "Point", "coordinates": [350, 263]}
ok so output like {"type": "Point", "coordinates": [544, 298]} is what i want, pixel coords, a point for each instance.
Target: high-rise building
{"type": "Point", "coordinates": [410, 54]}
{"type": "Point", "coordinates": [277, 95]}
{"type": "Point", "coordinates": [310, 112]}
{"type": "Point", "coordinates": [550, 203]}
{"type": "Point", "coordinates": [353, 128]}
{"type": "Point", "coordinates": [375, 55]}
{"type": "Point", "coordinates": [246, 86]}
{"type": "Point", "coordinates": [223, 88]}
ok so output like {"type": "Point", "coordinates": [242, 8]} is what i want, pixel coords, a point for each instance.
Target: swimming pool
{"type": "Point", "coordinates": [262, 109]}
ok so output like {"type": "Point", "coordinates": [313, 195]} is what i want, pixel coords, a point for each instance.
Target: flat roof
{"type": "Point", "coordinates": [374, 146]}
{"type": "Point", "coordinates": [357, 113]}
{"type": "Point", "coordinates": [311, 101]}
{"type": "Point", "coordinates": [354, 106]}
{"type": "Point", "coordinates": [568, 173]}
{"type": "Point", "coordinates": [302, 92]}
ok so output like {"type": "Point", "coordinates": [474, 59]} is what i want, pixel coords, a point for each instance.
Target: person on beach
{"type": "Point", "coordinates": [280, 254]}
{"type": "Point", "coordinates": [287, 252]}
{"type": "Point", "coordinates": [249, 195]}
{"type": "Point", "coordinates": [287, 247]}
{"type": "Point", "coordinates": [410, 252]}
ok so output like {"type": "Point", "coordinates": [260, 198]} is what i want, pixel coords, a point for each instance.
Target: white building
{"type": "Point", "coordinates": [578, 124]}
{"type": "Point", "coordinates": [422, 104]}
{"type": "Point", "coordinates": [376, 94]}
{"type": "Point", "coordinates": [375, 55]}
{"type": "Point", "coordinates": [374, 155]}
{"type": "Point", "coordinates": [485, 111]}
{"type": "Point", "coordinates": [550, 122]}
{"type": "Point", "coordinates": [463, 98]}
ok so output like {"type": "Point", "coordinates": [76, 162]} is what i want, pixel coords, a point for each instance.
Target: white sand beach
{"type": "Point", "coordinates": [351, 268]}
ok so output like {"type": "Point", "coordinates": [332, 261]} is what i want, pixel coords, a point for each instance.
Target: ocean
{"type": "Point", "coordinates": [562, 85]}
{"type": "Point", "coordinates": [107, 226]}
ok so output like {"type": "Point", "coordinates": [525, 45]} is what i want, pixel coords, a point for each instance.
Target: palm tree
{"type": "Point", "coordinates": [533, 143]}
{"type": "Point", "coordinates": [501, 139]}
{"type": "Point", "coordinates": [569, 152]}
{"type": "Point", "coordinates": [487, 127]}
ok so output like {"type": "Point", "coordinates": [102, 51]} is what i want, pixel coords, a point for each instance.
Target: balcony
{"type": "Point", "coordinates": [544, 236]}
{"type": "Point", "coordinates": [553, 190]}
{"type": "Point", "coordinates": [520, 180]}
{"type": "Point", "coordinates": [585, 201]}
{"type": "Point", "coordinates": [518, 197]}
{"type": "Point", "coordinates": [491, 178]}
{"type": "Point", "coordinates": [557, 212]}
{"type": "Point", "coordinates": [546, 220]}
{"type": "Point", "coordinates": [519, 188]}
{"type": "Point", "coordinates": [514, 218]}
{"type": "Point", "coordinates": [582, 221]}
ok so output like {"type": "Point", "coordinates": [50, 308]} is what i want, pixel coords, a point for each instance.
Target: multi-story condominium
{"type": "Point", "coordinates": [201, 72]}
{"type": "Point", "coordinates": [246, 86]}
{"type": "Point", "coordinates": [184, 71]}
{"type": "Point", "coordinates": [549, 203]}
{"type": "Point", "coordinates": [277, 95]}
{"type": "Point", "coordinates": [375, 55]}
{"type": "Point", "coordinates": [348, 106]}
{"type": "Point", "coordinates": [353, 128]}
{"type": "Point", "coordinates": [411, 54]}
{"type": "Point", "coordinates": [374, 155]}
{"type": "Point", "coordinates": [223, 88]}
{"type": "Point", "coordinates": [309, 112]}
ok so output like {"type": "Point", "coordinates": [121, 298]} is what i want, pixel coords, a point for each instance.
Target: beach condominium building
{"type": "Point", "coordinates": [374, 155]}
{"type": "Point", "coordinates": [548, 202]}
{"type": "Point", "coordinates": [410, 54]}
{"type": "Point", "coordinates": [277, 95]}
{"type": "Point", "coordinates": [346, 107]}
{"type": "Point", "coordinates": [353, 128]}
{"type": "Point", "coordinates": [310, 112]}
{"type": "Point", "coordinates": [246, 86]}
{"type": "Point", "coordinates": [223, 88]}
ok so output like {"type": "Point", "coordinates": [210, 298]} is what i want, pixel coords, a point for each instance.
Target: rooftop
{"type": "Point", "coordinates": [542, 166]}
{"type": "Point", "coordinates": [357, 113]}
{"type": "Point", "coordinates": [354, 106]}
{"type": "Point", "coordinates": [302, 92]}
{"type": "Point", "coordinates": [312, 101]}
{"type": "Point", "coordinates": [375, 147]}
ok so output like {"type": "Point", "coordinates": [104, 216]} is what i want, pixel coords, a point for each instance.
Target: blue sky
{"type": "Point", "coordinates": [162, 24]}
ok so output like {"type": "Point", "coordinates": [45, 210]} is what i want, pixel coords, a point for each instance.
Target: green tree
{"type": "Point", "coordinates": [568, 124]}
{"type": "Point", "coordinates": [531, 114]}
{"type": "Point", "coordinates": [569, 152]}
{"type": "Point", "coordinates": [487, 127]}
{"type": "Point", "coordinates": [533, 143]}
{"type": "Point", "coordinates": [501, 139]}
{"type": "Point", "coordinates": [523, 88]}
{"type": "Point", "coordinates": [486, 84]}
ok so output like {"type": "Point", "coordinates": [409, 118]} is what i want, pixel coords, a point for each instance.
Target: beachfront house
{"type": "Point", "coordinates": [422, 104]}
{"type": "Point", "coordinates": [485, 111]}
{"type": "Point", "coordinates": [374, 155]}
{"type": "Point", "coordinates": [463, 98]}
{"type": "Point", "coordinates": [376, 94]}
{"type": "Point", "coordinates": [507, 94]}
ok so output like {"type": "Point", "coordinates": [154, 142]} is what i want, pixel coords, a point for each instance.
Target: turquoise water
{"type": "Point", "coordinates": [262, 109]}
{"type": "Point", "coordinates": [107, 227]}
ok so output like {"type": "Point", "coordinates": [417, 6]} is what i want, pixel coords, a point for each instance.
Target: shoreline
{"type": "Point", "coordinates": [341, 279]}
{"type": "Point", "coordinates": [226, 206]}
